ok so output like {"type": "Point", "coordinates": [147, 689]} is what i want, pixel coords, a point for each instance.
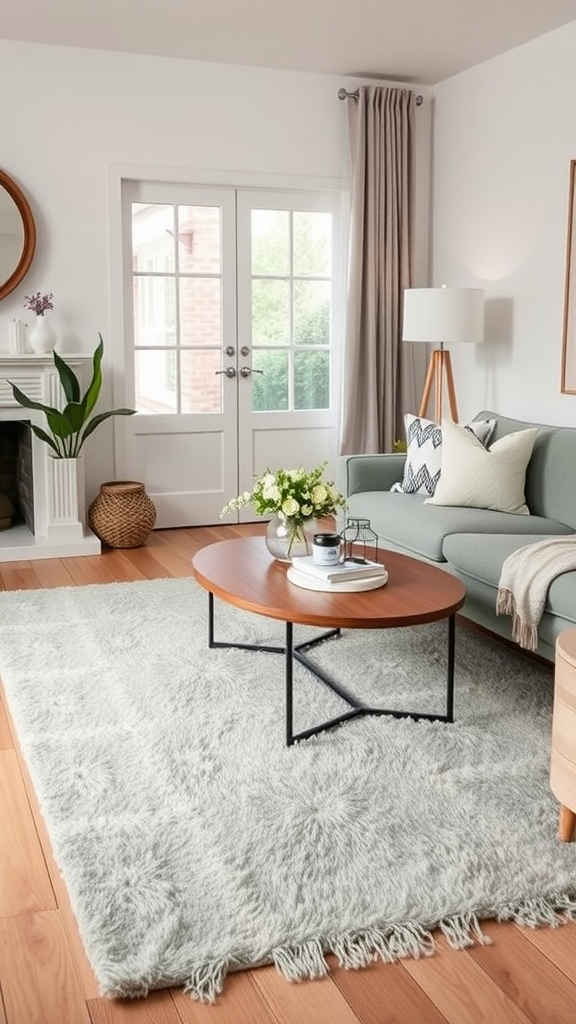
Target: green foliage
{"type": "Point", "coordinates": [312, 380]}
{"type": "Point", "coordinates": [68, 428]}
{"type": "Point", "coordinates": [399, 447]}
{"type": "Point", "coordinates": [270, 390]}
{"type": "Point", "coordinates": [298, 494]}
{"type": "Point", "coordinates": [299, 313]}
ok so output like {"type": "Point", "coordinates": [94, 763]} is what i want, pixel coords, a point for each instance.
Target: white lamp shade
{"type": "Point", "coordinates": [443, 315]}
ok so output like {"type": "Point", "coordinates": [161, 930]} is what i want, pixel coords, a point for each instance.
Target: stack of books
{"type": "Point", "coordinates": [350, 575]}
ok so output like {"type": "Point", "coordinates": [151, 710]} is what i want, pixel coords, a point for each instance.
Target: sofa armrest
{"type": "Point", "coordinates": [359, 473]}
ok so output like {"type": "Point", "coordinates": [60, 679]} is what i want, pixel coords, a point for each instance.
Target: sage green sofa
{"type": "Point", "coordinates": [474, 542]}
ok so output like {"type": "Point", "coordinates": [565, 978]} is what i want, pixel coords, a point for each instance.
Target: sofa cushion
{"type": "Point", "coordinates": [480, 559]}
{"type": "Point", "coordinates": [407, 522]}
{"type": "Point", "coordinates": [424, 452]}
{"type": "Point", "coordinates": [477, 477]}
{"type": "Point", "coordinates": [551, 474]}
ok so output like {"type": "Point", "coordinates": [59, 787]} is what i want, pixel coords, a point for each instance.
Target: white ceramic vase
{"type": "Point", "coordinates": [42, 337]}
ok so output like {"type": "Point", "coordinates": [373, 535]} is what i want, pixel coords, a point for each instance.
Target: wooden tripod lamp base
{"type": "Point", "coordinates": [442, 316]}
{"type": "Point", "coordinates": [439, 374]}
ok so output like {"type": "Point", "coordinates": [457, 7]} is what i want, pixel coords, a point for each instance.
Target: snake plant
{"type": "Point", "coordinates": [68, 428]}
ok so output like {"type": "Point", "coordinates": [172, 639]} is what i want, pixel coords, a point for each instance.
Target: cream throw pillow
{"type": "Point", "coordinates": [480, 477]}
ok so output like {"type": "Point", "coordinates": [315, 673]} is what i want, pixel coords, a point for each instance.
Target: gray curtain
{"type": "Point", "coordinates": [379, 385]}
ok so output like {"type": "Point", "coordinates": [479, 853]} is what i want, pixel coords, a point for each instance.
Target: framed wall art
{"type": "Point", "coordinates": [568, 383]}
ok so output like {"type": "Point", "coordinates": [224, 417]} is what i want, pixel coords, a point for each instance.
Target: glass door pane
{"type": "Point", "coordinates": [291, 282]}
{"type": "Point", "coordinates": [177, 288]}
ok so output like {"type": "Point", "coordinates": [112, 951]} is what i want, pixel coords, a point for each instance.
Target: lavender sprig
{"type": "Point", "coordinates": [39, 303]}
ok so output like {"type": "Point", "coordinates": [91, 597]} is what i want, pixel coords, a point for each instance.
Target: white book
{"type": "Point", "coordinates": [347, 570]}
{"type": "Point", "coordinates": [341, 586]}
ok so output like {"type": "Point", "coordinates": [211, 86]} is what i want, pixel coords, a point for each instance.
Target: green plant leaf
{"type": "Point", "coordinates": [67, 425]}
{"type": "Point", "coordinates": [91, 396]}
{"type": "Point", "coordinates": [68, 379]}
{"type": "Point", "coordinates": [28, 403]}
{"type": "Point", "coordinates": [74, 413]}
{"type": "Point", "coordinates": [59, 424]}
{"type": "Point", "coordinates": [43, 436]}
{"type": "Point", "coordinates": [97, 420]}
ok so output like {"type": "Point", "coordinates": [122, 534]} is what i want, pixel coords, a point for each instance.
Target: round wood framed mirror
{"type": "Point", "coordinates": [17, 234]}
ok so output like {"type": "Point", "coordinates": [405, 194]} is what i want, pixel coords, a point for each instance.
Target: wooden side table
{"type": "Point", "coordinates": [563, 761]}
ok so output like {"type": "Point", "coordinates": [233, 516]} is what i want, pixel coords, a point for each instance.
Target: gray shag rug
{"type": "Point", "coordinates": [193, 842]}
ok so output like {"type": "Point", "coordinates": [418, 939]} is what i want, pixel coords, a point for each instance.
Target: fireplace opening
{"type": "Point", "coordinates": [16, 475]}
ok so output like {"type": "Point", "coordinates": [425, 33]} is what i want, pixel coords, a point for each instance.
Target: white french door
{"type": "Point", "coordinates": [233, 338]}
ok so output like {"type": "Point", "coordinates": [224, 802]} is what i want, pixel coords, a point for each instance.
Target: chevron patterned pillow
{"type": "Point", "coordinates": [424, 452]}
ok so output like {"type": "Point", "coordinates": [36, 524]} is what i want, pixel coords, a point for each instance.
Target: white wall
{"type": "Point", "coordinates": [504, 135]}
{"type": "Point", "coordinates": [69, 115]}
{"type": "Point", "coordinates": [71, 118]}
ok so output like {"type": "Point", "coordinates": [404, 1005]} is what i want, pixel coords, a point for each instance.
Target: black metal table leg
{"type": "Point", "coordinates": [298, 653]}
{"type": "Point", "coordinates": [288, 680]}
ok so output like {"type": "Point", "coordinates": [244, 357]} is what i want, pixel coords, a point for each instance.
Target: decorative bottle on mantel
{"type": "Point", "coordinates": [42, 337]}
{"type": "Point", "coordinates": [17, 337]}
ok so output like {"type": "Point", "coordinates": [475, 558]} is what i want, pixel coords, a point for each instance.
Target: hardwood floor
{"type": "Point", "coordinates": [524, 976]}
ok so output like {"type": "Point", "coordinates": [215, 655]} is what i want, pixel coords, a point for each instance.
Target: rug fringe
{"type": "Point", "coordinates": [402, 941]}
{"type": "Point", "coordinates": [306, 960]}
{"type": "Point", "coordinates": [207, 980]}
{"type": "Point", "coordinates": [546, 910]}
{"type": "Point", "coordinates": [463, 930]}
{"type": "Point", "coordinates": [356, 950]}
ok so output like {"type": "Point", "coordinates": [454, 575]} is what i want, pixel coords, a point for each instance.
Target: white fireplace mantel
{"type": "Point", "coordinates": [59, 527]}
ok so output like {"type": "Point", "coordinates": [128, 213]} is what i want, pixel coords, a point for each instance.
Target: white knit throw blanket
{"type": "Point", "coordinates": [524, 581]}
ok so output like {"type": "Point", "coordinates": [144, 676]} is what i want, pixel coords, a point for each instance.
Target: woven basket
{"type": "Point", "coordinates": [122, 515]}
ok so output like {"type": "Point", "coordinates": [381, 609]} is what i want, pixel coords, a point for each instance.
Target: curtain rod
{"type": "Point", "coordinates": [344, 95]}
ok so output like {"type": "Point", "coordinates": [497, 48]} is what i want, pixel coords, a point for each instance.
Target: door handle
{"type": "Point", "coordinates": [245, 371]}
{"type": "Point", "coordinates": [228, 372]}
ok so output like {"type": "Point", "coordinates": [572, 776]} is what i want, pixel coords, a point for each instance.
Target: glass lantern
{"type": "Point", "coordinates": [360, 541]}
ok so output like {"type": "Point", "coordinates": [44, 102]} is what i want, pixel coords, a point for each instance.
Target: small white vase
{"type": "Point", "coordinates": [42, 337]}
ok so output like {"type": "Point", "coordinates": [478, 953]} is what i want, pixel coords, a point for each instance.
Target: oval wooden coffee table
{"type": "Point", "coordinates": [243, 573]}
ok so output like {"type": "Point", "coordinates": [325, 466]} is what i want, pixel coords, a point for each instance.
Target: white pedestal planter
{"type": "Point", "coordinates": [65, 499]}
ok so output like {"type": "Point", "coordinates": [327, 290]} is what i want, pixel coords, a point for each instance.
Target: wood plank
{"type": "Point", "coordinates": [19, 576]}
{"type": "Point", "coordinates": [39, 984]}
{"type": "Point", "coordinates": [385, 994]}
{"type": "Point", "coordinates": [120, 567]}
{"type": "Point", "coordinates": [316, 1001]}
{"type": "Point", "coordinates": [174, 559]}
{"type": "Point", "coordinates": [6, 738]}
{"type": "Point", "coordinates": [520, 970]}
{"type": "Point", "coordinates": [240, 1003]}
{"type": "Point", "coordinates": [157, 1008]}
{"type": "Point", "coordinates": [24, 880]}
{"type": "Point", "coordinates": [462, 991]}
{"type": "Point", "coordinates": [143, 561]}
{"type": "Point", "coordinates": [88, 569]}
{"type": "Point", "coordinates": [78, 954]}
{"type": "Point", "coordinates": [51, 572]}
{"type": "Point", "coordinates": [183, 539]}
{"type": "Point", "coordinates": [557, 944]}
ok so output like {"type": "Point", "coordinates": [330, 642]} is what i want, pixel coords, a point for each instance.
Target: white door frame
{"type": "Point", "coordinates": [121, 311]}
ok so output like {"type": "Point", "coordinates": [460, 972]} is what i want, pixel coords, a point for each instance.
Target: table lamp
{"type": "Point", "coordinates": [441, 316]}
